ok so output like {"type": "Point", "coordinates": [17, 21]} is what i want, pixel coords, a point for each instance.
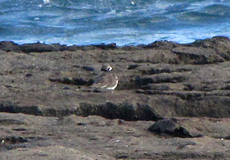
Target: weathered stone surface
{"type": "Point", "coordinates": [76, 137]}
{"type": "Point", "coordinates": [156, 81]}
{"type": "Point", "coordinates": [197, 55]}
{"type": "Point", "coordinates": [56, 83]}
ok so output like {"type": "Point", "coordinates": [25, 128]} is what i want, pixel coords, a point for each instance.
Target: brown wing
{"type": "Point", "coordinates": [100, 81]}
{"type": "Point", "coordinates": [105, 80]}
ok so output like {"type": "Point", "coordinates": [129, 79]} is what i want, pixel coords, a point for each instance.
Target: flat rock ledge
{"type": "Point", "coordinates": [172, 101]}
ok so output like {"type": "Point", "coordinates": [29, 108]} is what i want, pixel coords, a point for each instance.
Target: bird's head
{"type": "Point", "coordinates": [106, 68]}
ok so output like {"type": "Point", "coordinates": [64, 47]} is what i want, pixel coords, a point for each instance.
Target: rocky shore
{"type": "Point", "coordinates": [172, 101]}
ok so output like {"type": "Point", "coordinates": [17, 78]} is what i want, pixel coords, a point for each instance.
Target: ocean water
{"type": "Point", "coordinates": [124, 22]}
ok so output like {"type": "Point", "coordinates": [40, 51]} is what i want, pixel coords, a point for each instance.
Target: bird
{"type": "Point", "coordinates": [107, 80]}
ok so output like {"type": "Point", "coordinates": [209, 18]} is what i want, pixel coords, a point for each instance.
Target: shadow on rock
{"type": "Point", "coordinates": [124, 111]}
{"type": "Point", "coordinates": [171, 127]}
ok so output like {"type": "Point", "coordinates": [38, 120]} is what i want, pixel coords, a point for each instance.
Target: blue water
{"type": "Point", "coordinates": [125, 22]}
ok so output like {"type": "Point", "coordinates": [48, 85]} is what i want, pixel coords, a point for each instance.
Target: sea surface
{"type": "Point", "coordinates": [124, 22]}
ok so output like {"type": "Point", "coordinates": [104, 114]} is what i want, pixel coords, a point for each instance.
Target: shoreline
{"type": "Point", "coordinates": [43, 47]}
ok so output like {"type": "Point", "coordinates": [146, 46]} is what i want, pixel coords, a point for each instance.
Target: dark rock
{"type": "Point", "coordinates": [121, 156]}
{"type": "Point", "coordinates": [28, 74]}
{"type": "Point", "coordinates": [140, 91]}
{"type": "Point", "coordinates": [107, 46]}
{"type": "Point", "coordinates": [19, 129]}
{"type": "Point", "coordinates": [162, 45]}
{"type": "Point", "coordinates": [88, 68]}
{"type": "Point", "coordinates": [37, 47]}
{"type": "Point", "coordinates": [227, 87]}
{"type": "Point", "coordinates": [96, 90]}
{"type": "Point", "coordinates": [145, 112]}
{"type": "Point", "coordinates": [194, 55]}
{"type": "Point", "coordinates": [81, 81]}
{"type": "Point", "coordinates": [156, 87]}
{"type": "Point", "coordinates": [160, 79]}
{"type": "Point", "coordinates": [148, 70]}
{"type": "Point", "coordinates": [66, 87]}
{"type": "Point", "coordinates": [220, 44]}
{"type": "Point", "coordinates": [189, 96]}
{"type": "Point", "coordinates": [123, 111]}
{"type": "Point", "coordinates": [13, 140]}
{"type": "Point", "coordinates": [89, 47]}
{"type": "Point", "coordinates": [155, 71]}
{"type": "Point", "coordinates": [170, 127]}
{"type": "Point", "coordinates": [13, 108]}
{"type": "Point", "coordinates": [133, 66]}
{"type": "Point", "coordinates": [188, 87]}
{"type": "Point", "coordinates": [81, 124]}
{"type": "Point", "coordinates": [73, 48]}
{"type": "Point", "coordinates": [67, 80]}
{"type": "Point", "coordinates": [10, 122]}
{"type": "Point", "coordinates": [9, 46]}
